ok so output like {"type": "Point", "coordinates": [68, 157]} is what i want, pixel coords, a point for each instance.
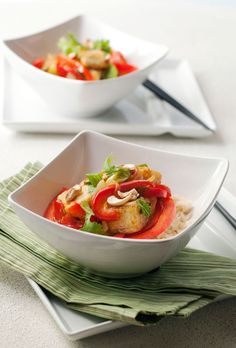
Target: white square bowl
{"type": "Point", "coordinates": [81, 98]}
{"type": "Point", "coordinates": [198, 179]}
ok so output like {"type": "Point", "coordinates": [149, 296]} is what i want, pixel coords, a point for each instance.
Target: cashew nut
{"type": "Point", "coordinates": [124, 198]}
{"type": "Point", "coordinates": [72, 193]}
{"type": "Point", "coordinates": [129, 166]}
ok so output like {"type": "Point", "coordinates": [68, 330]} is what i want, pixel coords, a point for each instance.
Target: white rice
{"type": "Point", "coordinates": [183, 215]}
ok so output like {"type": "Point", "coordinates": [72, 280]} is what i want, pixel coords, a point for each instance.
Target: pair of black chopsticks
{"type": "Point", "coordinates": [170, 100]}
{"type": "Point", "coordinates": [226, 214]}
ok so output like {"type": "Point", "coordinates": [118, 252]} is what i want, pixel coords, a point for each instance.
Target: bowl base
{"type": "Point", "coordinates": [121, 275]}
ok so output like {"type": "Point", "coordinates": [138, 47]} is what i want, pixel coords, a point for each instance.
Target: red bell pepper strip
{"type": "Point", "coordinates": [154, 218]}
{"type": "Point", "coordinates": [74, 67]}
{"type": "Point", "coordinates": [65, 70]}
{"type": "Point", "coordinates": [87, 74]}
{"type": "Point", "coordinates": [38, 63]}
{"type": "Point", "coordinates": [148, 188]}
{"type": "Point", "coordinates": [125, 68]}
{"type": "Point", "coordinates": [163, 218]}
{"type": "Point", "coordinates": [75, 210]}
{"type": "Point", "coordinates": [120, 235]}
{"type": "Point", "coordinates": [121, 64]}
{"type": "Point", "coordinates": [129, 185]}
{"type": "Point", "coordinates": [55, 210]}
{"type": "Point", "coordinates": [157, 191]}
{"type": "Point", "coordinates": [70, 221]}
{"type": "Point", "coordinates": [117, 58]}
{"type": "Point", "coordinates": [100, 206]}
{"type": "Point", "coordinates": [61, 70]}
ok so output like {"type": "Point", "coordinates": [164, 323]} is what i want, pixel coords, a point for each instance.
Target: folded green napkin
{"type": "Point", "coordinates": [184, 284]}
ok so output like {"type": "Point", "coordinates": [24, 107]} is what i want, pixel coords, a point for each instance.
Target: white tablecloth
{"type": "Point", "coordinates": [202, 32]}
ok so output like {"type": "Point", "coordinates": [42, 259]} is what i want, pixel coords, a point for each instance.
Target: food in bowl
{"type": "Point", "coordinates": [198, 179]}
{"type": "Point", "coordinates": [72, 98]}
{"type": "Point", "coordinates": [125, 201]}
{"type": "Point", "coordinates": [89, 60]}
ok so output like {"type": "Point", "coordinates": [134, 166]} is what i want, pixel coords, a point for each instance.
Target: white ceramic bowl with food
{"type": "Point", "coordinates": [197, 179]}
{"type": "Point", "coordinates": [81, 98]}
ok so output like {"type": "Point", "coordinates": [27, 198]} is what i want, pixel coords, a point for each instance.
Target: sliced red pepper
{"type": "Point", "coordinates": [125, 68]}
{"type": "Point", "coordinates": [87, 74]}
{"type": "Point", "coordinates": [120, 235]}
{"type": "Point", "coordinates": [154, 218]}
{"type": "Point", "coordinates": [70, 221]}
{"type": "Point", "coordinates": [100, 206]}
{"type": "Point", "coordinates": [164, 216]}
{"type": "Point", "coordinates": [61, 70]}
{"type": "Point", "coordinates": [64, 71]}
{"type": "Point", "coordinates": [117, 58]}
{"type": "Point", "coordinates": [157, 191]}
{"type": "Point", "coordinates": [50, 211]}
{"type": "Point", "coordinates": [75, 210]}
{"type": "Point", "coordinates": [129, 185]}
{"type": "Point", "coordinates": [121, 64]}
{"type": "Point", "coordinates": [74, 67]}
{"type": "Point", "coordinates": [55, 210]}
{"type": "Point", "coordinates": [38, 63]}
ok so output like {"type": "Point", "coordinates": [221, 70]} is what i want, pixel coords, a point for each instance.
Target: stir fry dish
{"type": "Point", "coordinates": [125, 201]}
{"type": "Point", "coordinates": [88, 61]}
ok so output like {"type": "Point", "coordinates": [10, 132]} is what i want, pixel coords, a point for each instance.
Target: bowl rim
{"type": "Point", "coordinates": [81, 82]}
{"type": "Point", "coordinates": [198, 221]}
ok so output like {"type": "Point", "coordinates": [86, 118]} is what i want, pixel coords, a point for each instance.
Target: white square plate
{"type": "Point", "coordinates": [216, 235]}
{"type": "Point", "coordinates": [141, 113]}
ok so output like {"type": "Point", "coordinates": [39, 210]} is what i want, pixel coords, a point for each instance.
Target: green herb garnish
{"type": "Point", "coordinates": [90, 226]}
{"type": "Point", "coordinates": [108, 168]}
{"type": "Point", "coordinates": [94, 178]}
{"type": "Point", "coordinates": [69, 44]}
{"type": "Point", "coordinates": [144, 206]}
{"type": "Point", "coordinates": [111, 72]}
{"type": "Point", "coordinates": [122, 174]}
{"type": "Point", "coordinates": [103, 45]}
{"type": "Point", "coordinates": [142, 165]}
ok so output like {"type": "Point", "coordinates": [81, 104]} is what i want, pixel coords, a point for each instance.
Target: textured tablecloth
{"type": "Point", "coordinates": [202, 32]}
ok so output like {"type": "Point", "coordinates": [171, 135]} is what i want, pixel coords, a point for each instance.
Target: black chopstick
{"type": "Point", "coordinates": [170, 100]}
{"type": "Point", "coordinates": [226, 214]}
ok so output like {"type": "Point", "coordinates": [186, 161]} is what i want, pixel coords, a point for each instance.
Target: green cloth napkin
{"type": "Point", "coordinates": [184, 284]}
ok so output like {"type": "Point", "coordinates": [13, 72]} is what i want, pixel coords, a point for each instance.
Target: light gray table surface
{"type": "Point", "coordinates": [202, 32]}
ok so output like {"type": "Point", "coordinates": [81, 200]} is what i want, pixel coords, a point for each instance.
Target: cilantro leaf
{"type": "Point", "coordinates": [122, 174]}
{"type": "Point", "coordinates": [111, 72]}
{"type": "Point", "coordinates": [144, 206]}
{"type": "Point", "coordinates": [107, 163]}
{"type": "Point", "coordinates": [108, 168]}
{"type": "Point", "coordinates": [69, 44]}
{"type": "Point", "coordinates": [103, 45]}
{"type": "Point", "coordinates": [85, 205]}
{"type": "Point", "coordinates": [93, 227]}
{"type": "Point", "coordinates": [94, 178]}
{"type": "Point", "coordinates": [142, 165]}
{"type": "Point", "coordinates": [90, 226]}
